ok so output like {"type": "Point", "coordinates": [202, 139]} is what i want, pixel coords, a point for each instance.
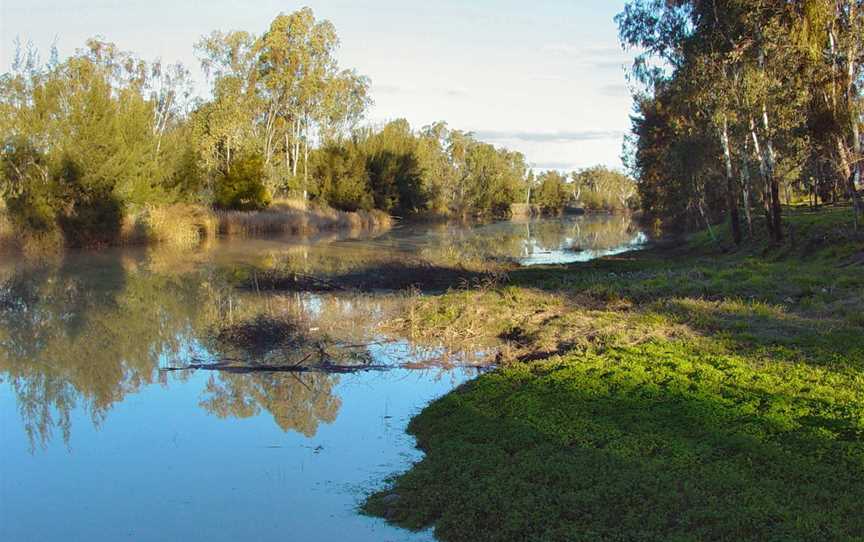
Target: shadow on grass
{"type": "Point", "coordinates": [798, 311]}
{"type": "Point", "coordinates": [655, 442]}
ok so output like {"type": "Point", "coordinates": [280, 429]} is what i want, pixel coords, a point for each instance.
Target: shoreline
{"type": "Point", "coordinates": [189, 225]}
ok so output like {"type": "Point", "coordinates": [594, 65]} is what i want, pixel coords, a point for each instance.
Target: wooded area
{"type": "Point", "coordinates": [89, 139]}
{"type": "Point", "coordinates": [744, 106]}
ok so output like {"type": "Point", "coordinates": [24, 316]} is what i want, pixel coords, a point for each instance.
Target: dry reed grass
{"type": "Point", "coordinates": [30, 245]}
{"type": "Point", "coordinates": [179, 225]}
{"type": "Point", "coordinates": [186, 225]}
{"type": "Point", "coordinates": [524, 210]}
{"type": "Point", "coordinates": [7, 233]}
{"type": "Point", "coordinates": [297, 218]}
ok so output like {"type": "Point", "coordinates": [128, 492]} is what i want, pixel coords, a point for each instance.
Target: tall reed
{"type": "Point", "coordinates": [293, 217]}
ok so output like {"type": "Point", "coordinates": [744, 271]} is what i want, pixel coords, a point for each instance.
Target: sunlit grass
{"type": "Point", "coordinates": [659, 441]}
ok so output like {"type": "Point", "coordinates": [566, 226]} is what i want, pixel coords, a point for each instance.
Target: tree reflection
{"type": "Point", "coordinates": [514, 240]}
{"type": "Point", "coordinates": [86, 332]}
{"type": "Point", "coordinates": [297, 402]}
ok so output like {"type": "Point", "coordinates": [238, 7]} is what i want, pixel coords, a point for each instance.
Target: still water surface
{"type": "Point", "coordinates": [96, 443]}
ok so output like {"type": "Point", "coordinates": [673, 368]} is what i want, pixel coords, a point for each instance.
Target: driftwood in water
{"type": "Point", "coordinates": [289, 281]}
{"type": "Point", "coordinates": [386, 276]}
{"type": "Point", "coordinates": [233, 367]}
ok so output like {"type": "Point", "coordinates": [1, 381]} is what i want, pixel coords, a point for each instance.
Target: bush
{"type": "Point", "coordinates": [93, 219]}
{"type": "Point", "coordinates": [241, 188]}
{"type": "Point", "coordinates": [344, 181]}
{"type": "Point", "coordinates": [89, 212]}
{"type": "Point", "coordinates": [552, 194]}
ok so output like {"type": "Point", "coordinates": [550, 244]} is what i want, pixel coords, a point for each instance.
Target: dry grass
{"type": "Point", "coordinates": [184, 225]}
{"type": "Point", "coordinates": [297, 218]}
{"type": "Point", "coordinates": [30, 245]}
{"type": "Point", "coordinates": [524, 210]}
{"type": "Point", "coordinates": [7, 233]}
{"type": "Point", "coordinates": [177, 225]}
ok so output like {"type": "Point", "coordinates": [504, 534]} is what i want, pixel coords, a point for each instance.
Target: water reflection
{"type": "Point", "coordinates": [83, 340]}
{"type": "Point", "coordinates": [527, 242]}
{"type": "Point", "coordinates": [297, 402]}
{"type": "Point", "coordinates": [85, 330]}
{"type": "Point", "coordinates": [89, 329]}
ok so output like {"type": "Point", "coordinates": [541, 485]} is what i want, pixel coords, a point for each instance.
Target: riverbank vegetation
{"type": "Point", "coordinates": [678, 392]}
{"type": "Point", "coordinates": [95, 143]}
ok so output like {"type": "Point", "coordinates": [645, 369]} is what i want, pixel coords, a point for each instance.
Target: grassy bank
{"type": "Point", "coordinates": [186, 225]}
{"type": "Point", "coordinates": [683, 393]}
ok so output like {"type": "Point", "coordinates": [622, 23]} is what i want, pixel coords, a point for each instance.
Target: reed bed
{"type": "Point", "coordinates": [297, 218]}
{"type": "Point", "coordinates": [188, 225]}
{"type": "Point", "coordinates": [179, 225]}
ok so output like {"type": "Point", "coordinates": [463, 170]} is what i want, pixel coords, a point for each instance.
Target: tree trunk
{"type": "Point", "coordinates": [857, 157]}
{"type": "Point", "coordinates": [745, 186]}
{"type": "Point", "coordinates": [306, 160]}
{"type": "Point", "coordinates": [731, 189]}
{"type": "Point", "coordinates": [776, 208]}
{"type": "Point", "coordinates": [287, 153]}
{"type": "Point", "coordinates": [850, 172]}
{"type": "Point", "coordinates": [763, 172]}
{"type": "Point", "coordinates": [228, 154]}
{"type": "Point", "coordinates": [295, 147]}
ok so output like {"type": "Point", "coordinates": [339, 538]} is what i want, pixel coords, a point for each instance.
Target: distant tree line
{"type": "Point", "coordinates": [596, 189]}
{"type": "Point", "coordinates": [88, 139]}
{"type": "Point", "coordinates": [743, 106]}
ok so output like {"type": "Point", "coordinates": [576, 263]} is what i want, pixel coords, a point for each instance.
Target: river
{"type": "Point", "coordinates": [99, 442]}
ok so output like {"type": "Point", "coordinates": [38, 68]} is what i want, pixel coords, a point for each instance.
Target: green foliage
{"type": "Point", "coordinates": [139, 139]}
{"type": "Point", "coordinates": [394, 172]}
{"type": "Point", "coordinates": [551, 193]}
{"type": "Point", "coordinates": [491, 179]}
{"type": "Point", "coordinates": [343, 181]}
{"type": "Point", "coordinates": [600, 188]}
{"type": "Point", "coordinates": [447, 173]}
{"type": "Point", "coordinates": [90, 214]}
{"type": "Point", "coordinates": [83, 142]}
{"type": "Point", "coordinates": [241, 188]}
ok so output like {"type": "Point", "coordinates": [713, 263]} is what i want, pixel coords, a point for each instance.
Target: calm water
{"type": "Point", "coordinates": [96, 443]}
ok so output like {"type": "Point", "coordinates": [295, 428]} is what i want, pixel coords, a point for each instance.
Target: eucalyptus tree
{"type": "Point", "coordinates": [599, 187]}
{"type": "Point", "coordinates": [552, 193]}
{"type": "Point", "coordinates": [295, 63]}
{"type": "Point", "coordinates": [830, 33]}
{"type": "Point", "coordinates": [227, 123]}
{"type": "Point", "coordinates": [82, 140]}
{"type": "Point", "coordinates": [439, 175]}
{"type": "Point", "coordinates": [705, 48]}
{"type": "Point", "coordinates": [282, 88]}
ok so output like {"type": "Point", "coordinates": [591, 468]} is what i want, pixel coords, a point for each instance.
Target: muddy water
{"type": "Point", "coordinates": [97, 442]}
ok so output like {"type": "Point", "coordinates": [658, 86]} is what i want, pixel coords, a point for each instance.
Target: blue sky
{"type": "Point", "coordinates": [545, 77]}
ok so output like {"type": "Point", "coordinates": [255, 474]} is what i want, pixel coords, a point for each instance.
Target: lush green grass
{"type": "Point", "coordinates": [687, 395]}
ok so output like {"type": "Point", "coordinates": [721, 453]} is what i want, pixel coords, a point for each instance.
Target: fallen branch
{"type": "Point", "coordinates": [230, 367]}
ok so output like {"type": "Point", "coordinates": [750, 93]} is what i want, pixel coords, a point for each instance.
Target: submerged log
{"type": "Point", "coordinates": [232, 367]}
